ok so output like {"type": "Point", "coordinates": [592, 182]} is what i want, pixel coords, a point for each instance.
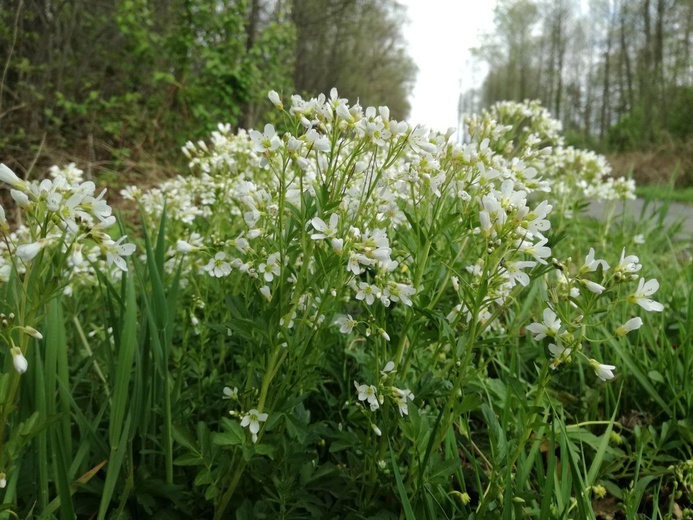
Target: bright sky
{"type": "Point", "coordinates": [440, 34]}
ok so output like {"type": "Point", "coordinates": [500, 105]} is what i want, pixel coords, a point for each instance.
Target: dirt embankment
{"type": "Point", "coordinates": [656, 166]}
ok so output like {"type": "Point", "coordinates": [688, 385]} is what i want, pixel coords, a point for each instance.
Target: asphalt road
{"type": "Point", "coordinates": [677, 212]}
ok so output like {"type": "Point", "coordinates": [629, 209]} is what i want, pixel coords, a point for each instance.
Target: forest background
{"type": "Point", "coordinates": [115, 86]}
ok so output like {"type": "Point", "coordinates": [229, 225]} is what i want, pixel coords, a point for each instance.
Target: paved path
{"type": "Point", "coordinates": [677, 211]}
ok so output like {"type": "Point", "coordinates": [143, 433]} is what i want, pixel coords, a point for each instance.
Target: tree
{"type": "Point", "coordinates": [356, 46]}
{"type": "Point", "coordinates": [618, 70]}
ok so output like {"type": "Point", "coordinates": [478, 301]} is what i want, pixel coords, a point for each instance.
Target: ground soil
{"type": "Point", "coordinates": [656, 166]}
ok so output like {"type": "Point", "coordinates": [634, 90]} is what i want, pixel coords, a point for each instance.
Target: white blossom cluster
{"type": "Point", "coordinates": [63, 213]}
{"type": "Point", "coordinates": [596, 283]}
{"type": "Point", "coordinates": [527, 133]}
{"type": "Point", "coordinates": [340, 215]}
{"type": "Point", "coordinates": [63, 223]}
{"type": "Point", "coordinates": [378, 170]}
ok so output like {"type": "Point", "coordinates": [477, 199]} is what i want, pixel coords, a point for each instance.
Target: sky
{"type": "Point", "coordinates": [439, 35]}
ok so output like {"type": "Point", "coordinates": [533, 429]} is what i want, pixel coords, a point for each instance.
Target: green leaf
{"type": "Point", "coordinates": [234, 436]}
{"type": "Point", "coordinates": [203, 477]}
{"type": "Point", "coordinates": [406, 504]}
{"type": "Point", "coordinates": [265, 449]}
{"type": "Point", "coordinates": [126, 355]}
{"type": "Point", "coordinates": [189, 459]}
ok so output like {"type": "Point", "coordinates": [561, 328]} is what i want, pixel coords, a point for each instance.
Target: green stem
{"type": "Point", "coordinates": [226, 497]}
{"type": "Point", "coordinates": [527, 432]}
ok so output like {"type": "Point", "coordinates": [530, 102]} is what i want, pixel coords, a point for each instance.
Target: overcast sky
{"type": "Point", "coordinates": [440, 34]}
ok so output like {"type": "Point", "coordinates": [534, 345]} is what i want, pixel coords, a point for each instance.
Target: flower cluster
{"type": "Point", "coordinates": [348, 214]}
{"type": "Point", "coordinates": [64, 224]}
{"type": "Point", "coordinates": [63, 216]}
{"type": "Point", "coordinates": [592, 289]}
{"type": "Point", "coordinates": [527, 133]}
{"type": "Point", "coordinates": [374, 396]}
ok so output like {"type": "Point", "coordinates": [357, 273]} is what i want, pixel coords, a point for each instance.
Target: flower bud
{"type": "Point", "coordinates": [21, 198]}
{"type": "Point", "coordinates": [274, 98]}
{"type": "Point", "coordinates": [9, 177]}
{"type": "Point", "coordinates": [632, 324]}
{"type": "Point", "coordinates": [20, 362]}
{"type": "Point", "coordinates": [31, 331]}
{"type": "Point", "coordinates": [184, 247]}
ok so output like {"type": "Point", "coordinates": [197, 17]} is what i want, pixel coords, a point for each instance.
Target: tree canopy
{"type": "Point", "coordinates": [98, 80]}
{"type": "Point", "coordinates": [616, 72]}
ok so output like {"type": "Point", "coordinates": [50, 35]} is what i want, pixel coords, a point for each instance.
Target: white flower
{"type": "Point", "coordinates": [367, 292]}
{"type": "Point", "coordinates": [267, 142]}
{"type": "Point", "coordinates": [218, 266]}
{"type": "Point", "coordinates": [603, 372]}
{"type": "Point", "coordinates": [642, 295]}
{"type": "Point", "coordinates": [274, 98]}
{"type": "Point", "coordinates": [3, 481]}
{"type": "Point", "coordinates": [252, 421]}
{"type": "Point", "coordinates": [337, 245]}
{"type": "Point", "coordinates": [368, 393]}
{"type": "Point", "coordinates": [401, 397]}
{"type": "Point", "coordinates": [593, 286]}
{"type": "Point", "coordinates": [346, 324]}
{"type": "Point", "coordinates": [418, 140]}
{"type": "Point", "coordinates": [401, 292]}
{"type": "Point", "coordinates": [639, 239]}
{"type": "Point", "coordinates": [591, 264]}
{"type": "Point", "coordinates": [631, 324]}
{"type": "Point", "coordinates": [21, 198]}
{"type": "Point", "coordinates": [115, 251]}
{"type": "Point", "coordinates": [377, 430]}
{"type": "Point", "coordinates": [389, 367]}
{"type": "Point", "coordinates": [514, 272]}
{"type": "Point", "coordinates": [230, 393]}
{"type": "Point", "coordinates": [316, 141]}
{"type": "Point", "coordinates": [20, 362]}
{"type": "Point", "coordinates": [628, 264]}
{"type": "Point", "coordinates": [31, 331]}
{"type": "Point", "coordinates": [324, 230]}
{"type": "Point", "coordinates": [455, 283]}
{"type": "Point", "coordinates": [549, 327]}
{"type": "Point", "coordinates": [265, 291]}
{"type": "Point", "coordinates": [242, 244]}
{"type": "Point", "coordinates": [558, 353]}
{"type": "Point", "coordinates": [184, 247]}
{"type": "Point", "coordinates": [356, 260]}
{"type": "Point", "coordinates": [539, 250]}
{"type": "Point", "coordinates": [271, 268]}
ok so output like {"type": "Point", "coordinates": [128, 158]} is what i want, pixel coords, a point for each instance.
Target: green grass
{"type": "Point", "coordinates": [665, 193]}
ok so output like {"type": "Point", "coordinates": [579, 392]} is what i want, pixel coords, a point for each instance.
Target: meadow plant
{"type": "Point", "coordinates": [63, 236]}
{"type": "Point", "coordinates": [341, 316]}
{"type": "Point", "coordinates": [351, 279]}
